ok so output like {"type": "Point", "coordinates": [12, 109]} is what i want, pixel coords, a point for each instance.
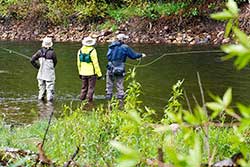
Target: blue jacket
{"type": "Point", "coordinates": [118, 51]}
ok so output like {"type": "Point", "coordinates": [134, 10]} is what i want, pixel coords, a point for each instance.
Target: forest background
{"type": "Point", "coordinates": [145, 21]}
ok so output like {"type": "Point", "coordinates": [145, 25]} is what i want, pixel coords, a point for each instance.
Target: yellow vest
{"type": "Point", "coordinates": [88, 69]}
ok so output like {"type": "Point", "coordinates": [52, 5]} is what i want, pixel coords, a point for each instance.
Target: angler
{"type": "Point", "coordinates": [46, 69]}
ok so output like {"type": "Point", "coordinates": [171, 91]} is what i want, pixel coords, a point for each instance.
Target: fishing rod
{"type": "Point", "coordinates": [172, 53]}
{"type": "Point", "coordinates": [17, 53]}
{"type": "Point", "coordinates": [47, 129]}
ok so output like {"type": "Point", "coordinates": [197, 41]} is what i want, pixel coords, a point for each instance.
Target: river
{"type": "Point", "coordinates": [18, 84]}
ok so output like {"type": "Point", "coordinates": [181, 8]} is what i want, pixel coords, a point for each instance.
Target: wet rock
{"type": "Point", "coordinates": [140, 30]}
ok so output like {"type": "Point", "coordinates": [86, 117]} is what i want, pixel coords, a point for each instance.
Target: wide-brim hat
{"type": "Point", "coordinates": [47, 42]}
{"type": "Point", "coordinates": [88, 41]}
{"type": "Point", "coordinates": [122, 37]}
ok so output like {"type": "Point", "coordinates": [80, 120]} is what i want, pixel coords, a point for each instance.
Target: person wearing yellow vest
{"type": "Point", "coordinates": [88, 68]}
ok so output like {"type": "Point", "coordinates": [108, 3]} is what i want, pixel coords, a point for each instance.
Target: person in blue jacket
{"type": "Point", "coordinates": [117, 54]}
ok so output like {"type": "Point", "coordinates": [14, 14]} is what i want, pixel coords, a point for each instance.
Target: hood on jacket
{"type": "Point", "coordinates": [114, 44]}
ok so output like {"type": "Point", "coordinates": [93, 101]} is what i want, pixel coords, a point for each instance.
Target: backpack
{"type": "Point", "coordinates": [85, 57]}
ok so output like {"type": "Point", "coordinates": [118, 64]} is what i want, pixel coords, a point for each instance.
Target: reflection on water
{"type": "Point", "coordinates": [45, 109]}
{"type": "Point", "coordinates": [18, 84]}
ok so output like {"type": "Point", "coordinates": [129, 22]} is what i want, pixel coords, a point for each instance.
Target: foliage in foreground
{"type": "Point", "coordinates": [131, 137]}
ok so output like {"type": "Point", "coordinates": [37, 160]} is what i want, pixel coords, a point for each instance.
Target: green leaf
{"type": "Point", "coordinates": [243, 38]}
{"type": "Point", "coordinates": [227, 57]}
{"type": "Point", "coordinates": [200, 114]}
{"type": "Point", "coordinates": [227, 98]}
{"type": "Point", "coordinates": [215, 114]}
{"type": "Point", "coordinates": [190, 118]}
{"type": "Point", "coordinates": [230, 111]}
{"type": "Point", "coordinates": [241, 62]}
{"type": "Point", "coordinates": [225, 15]}
{"type": "Point", "coordinates": [216, 98]}
{"type": "Point", "coordinates": [232, 6]}
{"type": "Point", "coordinates": [161, 129]}
{"type": "Point", "coordinates": [235, 49]}
{"type": "Point", "coordinates": [122, 148]}
{"type": "Point", "coordinates": [228, 28]}
{"type": "Point", "coordinates": [134, 116]}
{"type": "Point", "coordinates": [194, 158]}
{"type": "Point", "coordinates": [127, 163]}
{"type": "Point", "coordinates": [244, 110]}
{"type": "Point", "coordinates": [215, 106]}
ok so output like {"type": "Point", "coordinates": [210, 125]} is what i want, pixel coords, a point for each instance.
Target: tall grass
{"type": "Point", "coordinates": [108, 137]}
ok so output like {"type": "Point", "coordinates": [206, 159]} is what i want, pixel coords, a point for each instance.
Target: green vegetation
{"type": "Point", "coordinates": [132, 137]}
{"type": "Point", "coordinates": [66, 11]}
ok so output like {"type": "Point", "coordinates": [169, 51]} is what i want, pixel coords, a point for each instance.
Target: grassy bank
{"type": "Point", "coordinates": [131, 136]}
{"type": "Point", "coordinates": [93, 132]}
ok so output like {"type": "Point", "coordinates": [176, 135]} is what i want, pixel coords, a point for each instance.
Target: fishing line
{"type": "Point", "coordinates": [173, 53]}
{"type": "Point", "coordinates": [17, 53]}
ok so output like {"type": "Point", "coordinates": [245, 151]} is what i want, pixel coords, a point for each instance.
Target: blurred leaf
{"type": "Point", "coordinates": [215, 106]}
{"type": "Point", "coordinates": [232, 6]}
{"type": "Point", "coordinates": [215, 114]}
{"type": "Point", "coordinates": [216, 98]}
{"type": "Point", "coordinates": [161, 128]}
{"type": "Point", "coordinates": [235, 49]}
{"type": "Point", "coordinates": [244, 110]}
{"type": "Point", "coordinates": [127, 163]}
{"type": "Point", "coordinates": [230, 111]}
{"type": "Point", "coordinates": [190, 118]}
{"type": "Point", "coordinates": [227, 98]}
{"type": "Point", "coordinates": [225, 15]}
{"type": "Point", "coordinates": [122, 148]}
{"type": "Point", "coordinates": [245, 124]}
{"type": "Point", "coordinates": [201, 114]}
{"type": "Point", "coordinates": [227, 57]}
{"type": "Point", "coordinates": [194, 158]}
{"type": "Point", "coordinates": [228, 28]}
{"type": "Point", "coordinates": [129, 156]}
{"type": "Point", "coordinates": [241, 62]}
{"type": "Point", "coordinates": [243, 38]}
{"type": "Point", "coordinates": [134, 116]}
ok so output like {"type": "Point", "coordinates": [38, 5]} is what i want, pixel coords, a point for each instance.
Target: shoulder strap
{"type": "Point", "coordinates": [44, 53]}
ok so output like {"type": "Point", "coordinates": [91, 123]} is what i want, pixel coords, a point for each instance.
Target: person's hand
{"type": "Point", "coordinates": [143, 55]}
{"type": "Point", "coordinates": [98, 78]}
{"type": "Point", "coordinates": [80, 76]}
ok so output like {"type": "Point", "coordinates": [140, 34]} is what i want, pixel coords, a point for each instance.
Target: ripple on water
{"type": "Point", "coordinates": [4, 72]}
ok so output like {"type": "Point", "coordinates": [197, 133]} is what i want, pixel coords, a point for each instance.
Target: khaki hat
{"type": "Point", "coordinates": [47, 42]}
{"type": "Point", "coordinates": [88, 41]}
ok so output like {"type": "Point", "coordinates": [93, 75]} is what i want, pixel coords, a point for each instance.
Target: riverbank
{"type": "Point", "coordinates": [170, 30]}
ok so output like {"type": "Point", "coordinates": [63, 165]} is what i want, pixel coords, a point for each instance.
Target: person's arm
{"type": "Point", "coordinates": [34, 58]}
{"type": "Point", "coordinates": [78, 61]}
{"type": "Point", "coordinates": [96, 63]}
{"type": "Point", "coordinates": [132, 54]}
{"type": "Point", "coordinates": [54, 59]}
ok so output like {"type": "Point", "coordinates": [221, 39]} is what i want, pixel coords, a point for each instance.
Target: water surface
{"type": "Point", "coordinates": [18, 84]}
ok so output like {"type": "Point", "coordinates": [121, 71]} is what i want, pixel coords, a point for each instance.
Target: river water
{"type": "Point", "coordinates": [18, 84]}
